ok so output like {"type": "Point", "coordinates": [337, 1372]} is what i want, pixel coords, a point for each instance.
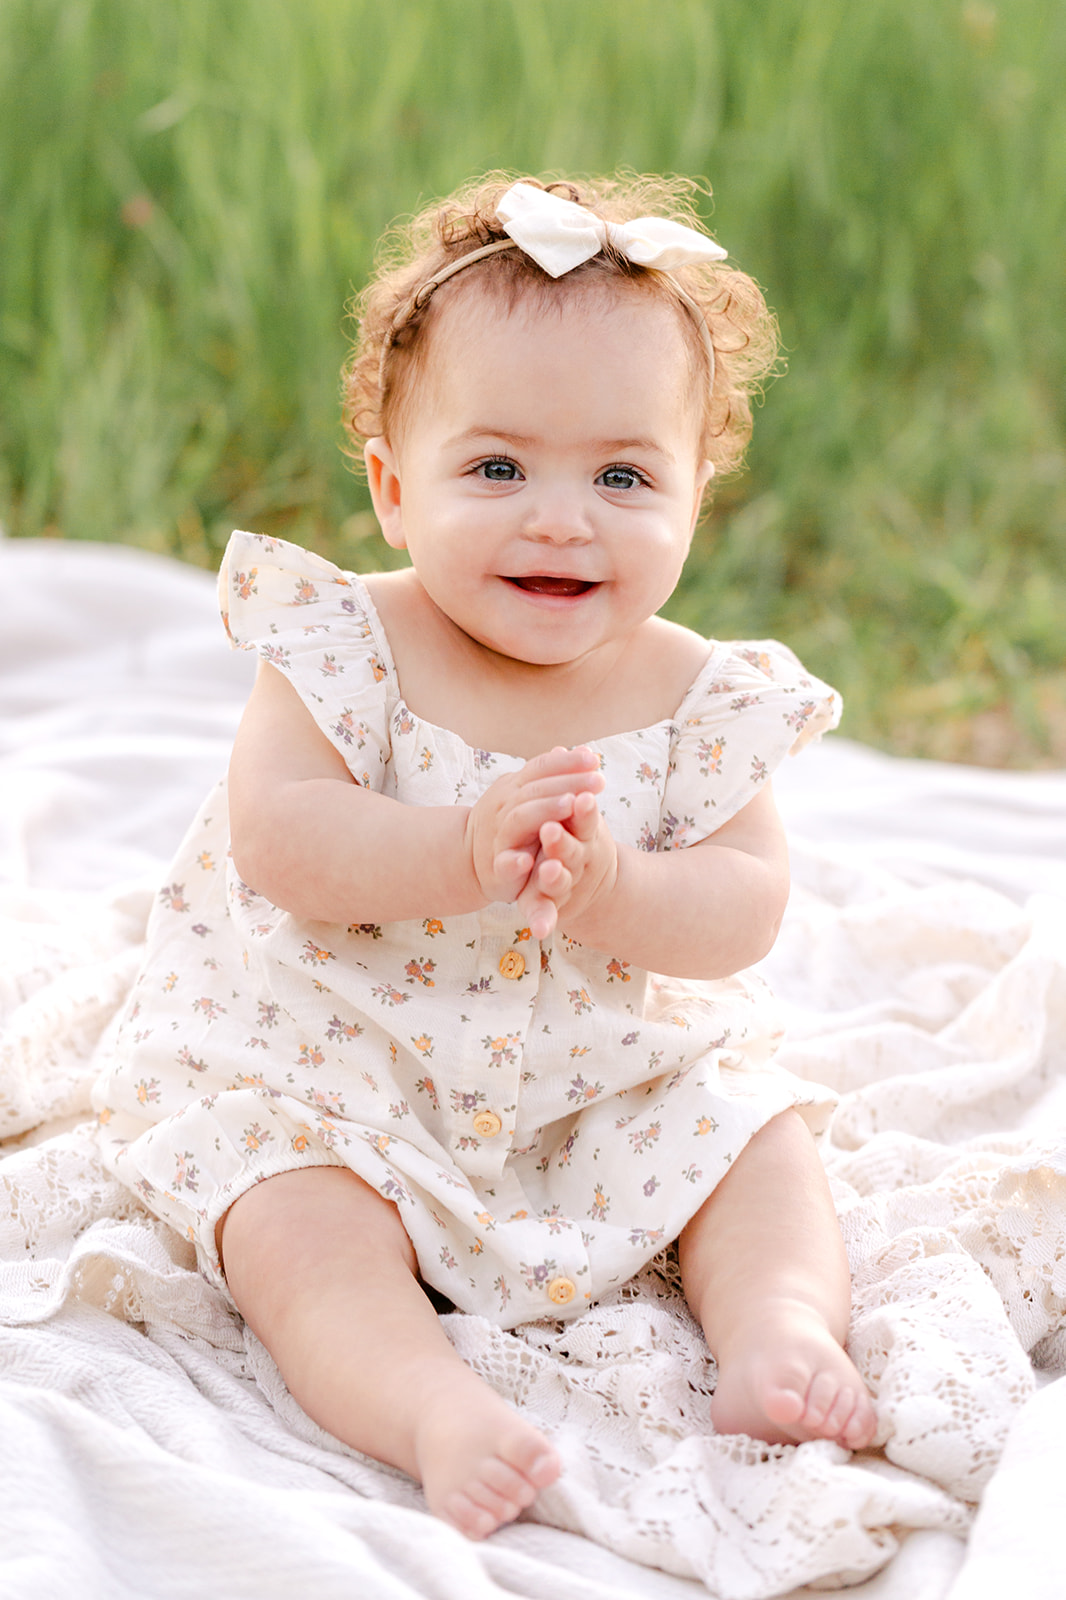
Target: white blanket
{"type": "Point", "coordinates": [147, 1445]}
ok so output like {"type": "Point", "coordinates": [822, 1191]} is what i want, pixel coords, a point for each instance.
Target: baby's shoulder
{"type": "Point", "coordinates": [667, 661]}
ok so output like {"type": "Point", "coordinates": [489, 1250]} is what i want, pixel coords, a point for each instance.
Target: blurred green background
{"type": "Point", "coordinates": [191, 190]}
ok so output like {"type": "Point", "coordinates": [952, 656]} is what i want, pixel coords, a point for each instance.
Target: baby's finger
{"type": "Point", "coordinates": [512, 866]}
{"type": "Point", "coordinates": [539, 912]}
{"type": "Point", "coordinates": [584, 818]}
{"type": "Point", "coordinates": [523, 822]}
{"type": "Point", "coordinates": [559, 844]}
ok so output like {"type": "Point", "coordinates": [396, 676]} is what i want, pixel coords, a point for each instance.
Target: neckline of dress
{"type": "Point", "coordinates": [381, 639]}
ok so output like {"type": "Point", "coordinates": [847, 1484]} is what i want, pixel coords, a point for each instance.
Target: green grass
{"type": "Point", "coordinates": [190, 191]}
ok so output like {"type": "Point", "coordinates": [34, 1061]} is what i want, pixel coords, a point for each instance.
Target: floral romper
{"type": "Point", "coordinates": [545, 1116]}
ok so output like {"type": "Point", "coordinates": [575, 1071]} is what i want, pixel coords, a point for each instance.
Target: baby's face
{"type": "Point", "coordinates": [548, 477]}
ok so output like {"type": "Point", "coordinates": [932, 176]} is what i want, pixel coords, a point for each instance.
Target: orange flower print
{"type": "Point", "coordinates": [618, 969]}
{"type": "Point", "coordinates": [299, 1142]}
{"type": "Point", "coordinates": [186, 1173]}
{"type": "Point", "coordinates": [248, 1080]}
{"type": "Point", "coordinates": [210, 1008]}
{"type": "Point", "coordinates": [348, 730]}
{"type": "Point", "coordinates": [388, 995]}
{"type": "Point", "coordinates": [648, 774]}
{"type": "Point", "coordinates": [801, 716]}
{"type": "Point", "coordinates": [600, 1205]}
{"type": "Point", "coordinates": [205, 861]}
{"type": "Point", "coordinates": [582, 1091]}
{"type": "Point", "coordinates": [313, 956]}
{"type": "Point", "coordinates": [306, 593]}
{"type": "Point", "coordinates": [174, 897]}
{"type": "Point", "coordinates": [486, 1219]}
{"type": "Point", "coordinates": [244, 583]}
{"type": "Point", "coordinates": [521, 935]}
{"type": "Point", "coordinates": [336, 1029]}
{"type": "Point", "coordinates": [255, 1137]}
{"type": "Point", "coordinates": [503, 1049]}
{"type": "Point", "coordinates": [310, 1056]}
{"type": "Point", "coordinates": [645, 1236]}
{"type": "Point", "coordinates": [419, 972]}
{"type": "Point", "coordinates": [709, 755]}
{"type": "Point", "coordinates": [331, 1102]}
{"type": "Point", "coordinates": [578, 1050]}
{"type": "Point", "coordinates": [378, 669]}
{"type": "Point", "coordinates": [432, 926]}
{"type": "Point", "coordinates": [427, 1087]}
{"type": "Point", "coordinates": [425, 758]}
{"type": "Point", "coordinates": [147, 1091]}
{"type": "Point", "coordinates": [757, 658]}
{"type": "Point", "coordinates": [477, 1248]}
{"type": "Point", "coordinates": [580, 1000]}
{"type": "Point", "coordinates": [704, 1126]}
{"type": "Point", "coordinates": [423, 1044]}
{"type": "Point", "coordinates": [169, 981]}
{"type": "Point", "coordinates": [642, 1139]}
{"type": "Point", "coordinates": [381, 1142]}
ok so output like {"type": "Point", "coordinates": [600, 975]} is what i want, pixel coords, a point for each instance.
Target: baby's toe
{"type": "Point", "coordinates": [509, 1485]}
{"type": "Point", "coordinates": [471, 1519]}
{"type": "Point", "coordinates": [824, 1395]}
{"type": "Point", "coordinates": [861, 1426]}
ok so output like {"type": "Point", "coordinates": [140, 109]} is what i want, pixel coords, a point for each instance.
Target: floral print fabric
{"type": "Point", "coordinates": [545, 1116]}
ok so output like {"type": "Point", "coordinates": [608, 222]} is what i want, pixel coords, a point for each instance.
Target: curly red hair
{"type": "Point", "coordinates": [394, 328]}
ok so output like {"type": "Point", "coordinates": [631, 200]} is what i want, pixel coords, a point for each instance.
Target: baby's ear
{"type": "Point", "coordinates": [703, 478]}
{"type": "Point", "coordinates": [383, 476]}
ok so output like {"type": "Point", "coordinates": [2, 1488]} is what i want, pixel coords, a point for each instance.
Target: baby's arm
{"type": "Point", "coordinates": [702, 912]}
{"type": "Point", "coordinates": [313, 841]}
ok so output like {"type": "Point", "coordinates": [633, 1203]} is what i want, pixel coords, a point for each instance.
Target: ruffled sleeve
{"type": "Point", "coordinates": [752, 705]}
{"type": "Point", "coordinates": [315, 624]}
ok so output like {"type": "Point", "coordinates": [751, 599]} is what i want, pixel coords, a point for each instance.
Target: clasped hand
{"type": "Point", "coordinates": [537, 838]}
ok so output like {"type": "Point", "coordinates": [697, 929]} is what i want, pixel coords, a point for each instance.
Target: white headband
{"type": "Point", "coordinates": [559, 235]}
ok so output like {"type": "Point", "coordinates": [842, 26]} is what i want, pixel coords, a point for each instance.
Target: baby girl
{"type": "Point", "coordinates": [448, 993]}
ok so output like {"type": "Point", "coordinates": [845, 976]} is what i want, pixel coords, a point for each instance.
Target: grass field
{"type": "Point", "coordinates": [190, 190]}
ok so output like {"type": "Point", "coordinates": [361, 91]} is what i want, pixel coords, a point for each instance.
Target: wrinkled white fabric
{"type": "Point", "coordinates": [147, 1445]}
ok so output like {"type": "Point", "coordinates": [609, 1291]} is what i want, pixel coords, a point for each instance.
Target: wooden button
{"type": "Point", "coordinates": [487, 1124]}
{"type": "Point", "coordinates": [561, 1291]}
{"type": "Point", "coordinates": [513, 964]}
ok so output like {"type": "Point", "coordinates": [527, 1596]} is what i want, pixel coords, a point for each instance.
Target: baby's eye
{"type": "Point", "coordinates": [621, 478]}
{"type": "Point", "coordinates": [498, 469]}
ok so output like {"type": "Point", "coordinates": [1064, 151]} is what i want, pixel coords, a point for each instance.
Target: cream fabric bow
{"type": "Point", "coordinates": [560, 235]}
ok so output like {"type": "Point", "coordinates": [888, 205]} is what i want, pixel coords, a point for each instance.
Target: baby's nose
{"type": "Point", "coordinates": [558, 518]}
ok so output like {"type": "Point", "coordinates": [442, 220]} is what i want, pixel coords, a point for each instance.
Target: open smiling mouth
{"type": "Point", "coordinates": [565, 588]}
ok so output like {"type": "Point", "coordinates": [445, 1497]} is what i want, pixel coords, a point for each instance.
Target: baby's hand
{"type": "Point", "coordinates": [577, 861]}
{"type": "Point", "coordinates": [504, 828]}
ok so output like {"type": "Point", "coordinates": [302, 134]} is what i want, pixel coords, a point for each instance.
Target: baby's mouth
{"type": "Point", "coordinates": [540, 583]}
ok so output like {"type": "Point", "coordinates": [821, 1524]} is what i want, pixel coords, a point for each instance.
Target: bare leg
{"type": "Point", "coordinates": [765, 1272]}
{"type": "Point", "coordinates": [324, 1274]}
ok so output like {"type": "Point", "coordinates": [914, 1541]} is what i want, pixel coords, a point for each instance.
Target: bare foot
{"type": "Point", "coordinates": [480, 1462]}
{"type": "Point", "coordinates": [785, 1379]}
